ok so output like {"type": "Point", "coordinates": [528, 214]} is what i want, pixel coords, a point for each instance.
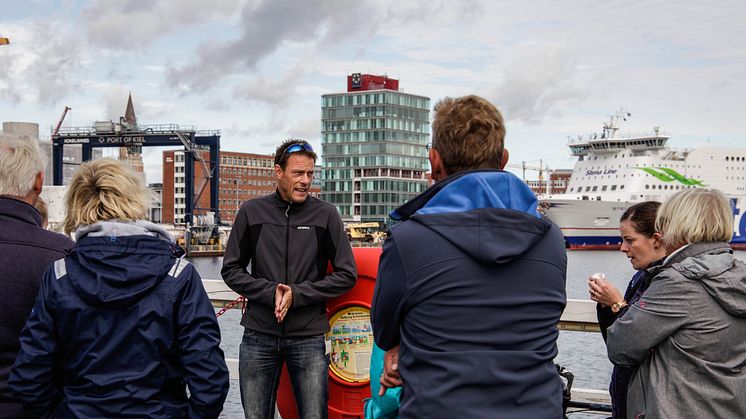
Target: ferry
{"type": "Point", "coordinates": [614, 172]}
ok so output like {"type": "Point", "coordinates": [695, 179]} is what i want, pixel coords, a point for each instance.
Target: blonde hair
{"type": "Point", "coordinates": [105, 189]}
{"type": "Point", "coordinates": [21, 161]}
{"type": "Point", "coordinates": [695, 216]}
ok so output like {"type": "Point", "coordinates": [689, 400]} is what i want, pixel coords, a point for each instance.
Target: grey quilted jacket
{"type": "Point", "coordinates": [687, 334]}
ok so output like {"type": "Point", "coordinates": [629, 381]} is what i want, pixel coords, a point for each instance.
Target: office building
{"type": "Point", "coordinates": [373, 139]}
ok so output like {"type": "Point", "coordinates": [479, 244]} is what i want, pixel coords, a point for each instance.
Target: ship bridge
{"type": "Point", "coordinates": [580, 147]}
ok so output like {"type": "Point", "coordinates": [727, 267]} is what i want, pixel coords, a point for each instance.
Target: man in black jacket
{"type": "Point", "coordinates": [289, 238]}
{"type": "Point", "coordinates": [26, 251]}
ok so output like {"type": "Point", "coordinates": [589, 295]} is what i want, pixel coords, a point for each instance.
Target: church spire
{"type": "Point", "coordinates": [129, 114]}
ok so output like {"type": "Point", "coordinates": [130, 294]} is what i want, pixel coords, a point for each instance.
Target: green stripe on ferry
{"type": "Point", "coordinates": [669, 175]}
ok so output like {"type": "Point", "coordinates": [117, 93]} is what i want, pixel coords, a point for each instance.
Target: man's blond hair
{"type": "Point", "coordinates": [102, 190]}
{"type": "Point", "coordinates": [468, 133]}
{"type": "Point", "coordinates": [695, 216]}
{"type": "Point", "coordinates": [21, 161]}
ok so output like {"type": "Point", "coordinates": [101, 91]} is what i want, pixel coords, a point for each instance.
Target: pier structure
{"type": "Point", "coordinates": [112, 134]}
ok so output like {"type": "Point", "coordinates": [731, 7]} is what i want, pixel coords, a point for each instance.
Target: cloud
{"type": "Point", "coordinates": [41, 63]}
{"type": "Point", "coordinates": [314, 26]}
{"type": "Point", "coordinates": [539, 80]}
{"type": "Point", "coordinates": [134, 24]}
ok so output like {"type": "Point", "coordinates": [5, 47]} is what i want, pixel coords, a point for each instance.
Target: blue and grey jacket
{"type": "Point", "coordinates": [120, 328]}
{"type": "Point", "coordinates": [472, 285]}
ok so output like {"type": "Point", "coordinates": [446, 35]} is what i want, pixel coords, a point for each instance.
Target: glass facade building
{"type": "Point", "coordinates": [373, 141]}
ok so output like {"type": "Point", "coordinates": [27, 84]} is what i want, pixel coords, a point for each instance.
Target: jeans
{"type": "Point", "coordinates": [261, 357]}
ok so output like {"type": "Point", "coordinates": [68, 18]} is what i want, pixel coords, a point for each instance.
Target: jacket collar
{"type": "Point", "coordinates": [294, 206]}
{"type": "Point", "coordinates": [123, 228]}
{"type": "Point", "coordinates": [696, 249]}
{"type": "Point", "coordinates": [471, 189]}
{"type": "Point", "coordinates": [15, 208]}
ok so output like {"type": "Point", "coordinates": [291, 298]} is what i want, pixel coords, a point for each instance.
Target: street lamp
{"type": "Point", "coordinates": [236, 212]}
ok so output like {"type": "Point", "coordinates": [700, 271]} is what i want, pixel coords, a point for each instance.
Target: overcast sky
{"type": "Point", "coordinates": [256, 69]}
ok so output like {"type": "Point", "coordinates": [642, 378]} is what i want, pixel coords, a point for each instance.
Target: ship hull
{"type": "Point", "coordinates": [594, 225]}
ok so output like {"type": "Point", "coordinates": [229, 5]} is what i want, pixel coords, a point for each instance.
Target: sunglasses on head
{"type": "Point", "coordinates": [298, 147]}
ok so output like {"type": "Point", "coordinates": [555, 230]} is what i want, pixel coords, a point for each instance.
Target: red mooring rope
{"type": "Point", "coordinates": [239, 300]}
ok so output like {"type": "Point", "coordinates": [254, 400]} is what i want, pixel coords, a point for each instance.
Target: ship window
{"type": "Point", "coordinates": [595, 188]}
{"type": "Point", "coordinates": [571, 189]}
{"type": "Point", "coordinates": [587, 188]}
{"type": "Point", "coordinates": [621, 186]}
{"type": "Point", "coordinates": [603, 188]}
{"type": "Point", "coordinates": [647, 186]}
{"type": "Point", "coordinates": [613, 187]}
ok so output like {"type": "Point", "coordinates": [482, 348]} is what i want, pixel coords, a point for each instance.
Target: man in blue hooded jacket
{"type": "Point", "coordinates": [471, 283]}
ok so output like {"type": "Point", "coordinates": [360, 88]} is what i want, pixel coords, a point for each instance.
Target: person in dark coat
{"type": "Point", "coordinates": [122, 326]}
{"type": "Point", "coordinates": [26, 251]}
{"type": "Point", "coordinates": [644, 248]}
{"type": "Point", "coordinates": [471, 283]}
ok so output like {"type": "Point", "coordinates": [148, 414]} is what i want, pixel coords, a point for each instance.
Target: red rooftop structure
{"type": "Point", "coordinates": [358, 81]}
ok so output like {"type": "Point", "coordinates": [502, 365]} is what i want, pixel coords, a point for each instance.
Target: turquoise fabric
{"type": "Point", "coordinates": [386, 407]}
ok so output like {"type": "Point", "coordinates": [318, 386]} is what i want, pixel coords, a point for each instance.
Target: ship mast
{"type": "Point", "coordinates": [611, 127]}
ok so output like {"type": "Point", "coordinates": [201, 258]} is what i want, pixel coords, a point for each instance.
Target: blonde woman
{"type": "Point", "coordinates": [687, 333]}
{"type": "Point", "coordinates": [122, 325]}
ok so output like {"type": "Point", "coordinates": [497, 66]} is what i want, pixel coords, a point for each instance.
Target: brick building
{"type": "Point", "coordinates": [243, 176]}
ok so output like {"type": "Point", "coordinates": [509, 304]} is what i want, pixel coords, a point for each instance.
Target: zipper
{"type": "Point", "coordinates": [287, 250]}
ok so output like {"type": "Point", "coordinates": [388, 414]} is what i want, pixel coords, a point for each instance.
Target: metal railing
{"type": "Point", "coordinates": [579, 316]}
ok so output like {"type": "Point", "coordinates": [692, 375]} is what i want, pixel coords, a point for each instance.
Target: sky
{"type": "Point", "coordinates": [256, 69]}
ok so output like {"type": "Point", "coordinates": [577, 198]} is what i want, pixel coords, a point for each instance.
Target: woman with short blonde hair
{"type": "Point", "coordinates": [687, 334]}
{"type": "Point", "coordinates": [695, 216]}
{"type": "Point", "coordinates": [122, 322]}
{"type": "Point", "coordinates": [103, 190]}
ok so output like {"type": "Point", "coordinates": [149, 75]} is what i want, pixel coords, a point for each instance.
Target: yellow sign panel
{"type": "Point", "coordinates": [4, 41]}
{"type": "Point", "coordinates": [352, 343]}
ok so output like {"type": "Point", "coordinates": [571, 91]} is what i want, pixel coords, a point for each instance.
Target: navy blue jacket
{"type": "Point", "coordinates": [122, 326]}
{"type": "Point", "coordinates": [472, 285]}
{"type": "Point", "coordinates": [622, 375]}
{"type": "Point", "coordinates": [26, 251]}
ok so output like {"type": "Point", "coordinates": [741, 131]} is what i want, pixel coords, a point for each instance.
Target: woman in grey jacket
{"type": "Point", "coordinates": [688, 331]}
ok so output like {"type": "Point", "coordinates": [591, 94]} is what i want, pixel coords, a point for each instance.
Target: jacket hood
{"type": "Point", "coordinates": [117, 263]}
{"type": "Point", "coordinates": [719, 272]}
{"type": "Point", "coordinates": [489, 214]}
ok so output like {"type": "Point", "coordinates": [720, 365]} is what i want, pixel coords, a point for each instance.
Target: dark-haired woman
{"type": "Point", "coordinates": [643, 246]}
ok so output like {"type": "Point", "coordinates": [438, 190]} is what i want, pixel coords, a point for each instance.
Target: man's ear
{"type": "Point", "coordinates": [278, 171]}
{"type": "Point", "coordinates": [436, 163]}
{"type": "Point", "coordinates": [504, 160]}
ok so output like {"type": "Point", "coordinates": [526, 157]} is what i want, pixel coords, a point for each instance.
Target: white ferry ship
{"type": "Point", "coordinates": [614, 172]}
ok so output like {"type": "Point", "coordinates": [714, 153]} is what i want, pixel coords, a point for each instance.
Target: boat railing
{"type": "Point", "coordinates": [579, 316]}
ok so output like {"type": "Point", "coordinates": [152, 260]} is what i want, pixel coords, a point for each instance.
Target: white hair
{"type": "Point", "coordinates": [20, 161]}
{"type": "Point", "coordinates": [695, 216]}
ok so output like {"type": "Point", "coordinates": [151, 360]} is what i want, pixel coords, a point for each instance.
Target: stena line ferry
{"type": "Point", "coordinates": [613, 172]}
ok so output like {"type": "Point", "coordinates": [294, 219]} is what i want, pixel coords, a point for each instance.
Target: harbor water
{"type": "Point", "coordinates": [584, 354]}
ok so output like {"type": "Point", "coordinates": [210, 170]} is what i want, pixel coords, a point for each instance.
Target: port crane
{"type": "Point", "coordinates": [62, 118]}
{"type": "Point", "coordinates": [523, 166]}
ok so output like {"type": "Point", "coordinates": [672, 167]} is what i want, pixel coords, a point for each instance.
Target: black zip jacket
{"type": "Point", "coordinates": [292, 244]}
